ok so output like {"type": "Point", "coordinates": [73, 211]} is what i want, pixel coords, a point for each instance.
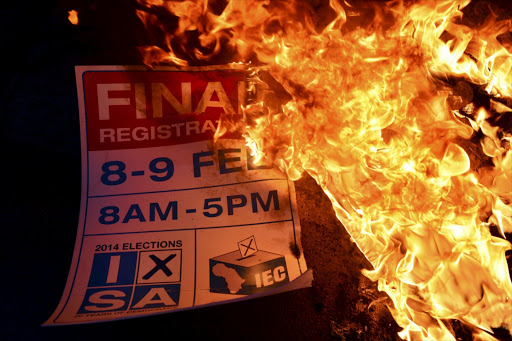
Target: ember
{"type": "Point", "coordinates": [73, 17]}
{"type": "Point", "coordinates": [397, 120]}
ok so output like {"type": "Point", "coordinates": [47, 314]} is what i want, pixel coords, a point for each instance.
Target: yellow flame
{"type": "Point", "coordinates": [368, 111]}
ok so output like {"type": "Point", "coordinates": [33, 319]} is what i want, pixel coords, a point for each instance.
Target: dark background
{"type": "Point", "coordinates": [41, 180]}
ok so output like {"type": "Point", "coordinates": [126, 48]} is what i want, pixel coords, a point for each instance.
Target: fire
{"type": "Point", "coordinates": [385, 117]}
{"type": "Point", "coordinates": [73, 17]}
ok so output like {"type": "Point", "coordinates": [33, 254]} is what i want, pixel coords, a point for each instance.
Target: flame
{"type": "Point", "coordinates": [384, 115]}
{"type": "Point", "coordinates": [73, 17]}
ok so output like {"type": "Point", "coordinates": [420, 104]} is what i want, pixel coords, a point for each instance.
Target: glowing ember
{"type": "Point", "coordinates": [384, 116]}
{"type": "Point", "coordinates": [73, 17]}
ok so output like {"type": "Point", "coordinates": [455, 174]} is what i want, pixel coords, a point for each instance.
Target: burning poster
{"type": "Point", "coordinates": [173, 217]}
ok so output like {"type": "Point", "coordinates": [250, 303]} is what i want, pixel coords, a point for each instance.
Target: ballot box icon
{"type": "Point", "coordinates": [260, 271]}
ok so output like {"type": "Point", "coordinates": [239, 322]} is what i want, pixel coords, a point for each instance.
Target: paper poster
{"type": "Point", "coordinates": [170, 220]}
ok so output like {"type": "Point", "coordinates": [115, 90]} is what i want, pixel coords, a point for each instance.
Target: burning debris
{"type": "Point", "coordinates": [401, 113]}
{"type": "Point", "coordinates": [73, 17]}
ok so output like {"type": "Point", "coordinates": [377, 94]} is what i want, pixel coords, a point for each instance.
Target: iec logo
{"type": "Point", "coordinates": [247, 270]}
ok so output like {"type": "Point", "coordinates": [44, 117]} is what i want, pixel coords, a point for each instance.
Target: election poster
{"type": "Point", "coordinates": [171, 219]}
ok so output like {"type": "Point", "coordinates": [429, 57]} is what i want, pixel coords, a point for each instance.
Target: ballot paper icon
{"type": "Point", "coordinates": [247, 247]}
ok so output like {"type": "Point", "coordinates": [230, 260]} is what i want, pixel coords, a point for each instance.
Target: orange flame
{"type": "Point", "coordinates": [413, 165]}
{"type": "Point", "coordinates": [73, 17]}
